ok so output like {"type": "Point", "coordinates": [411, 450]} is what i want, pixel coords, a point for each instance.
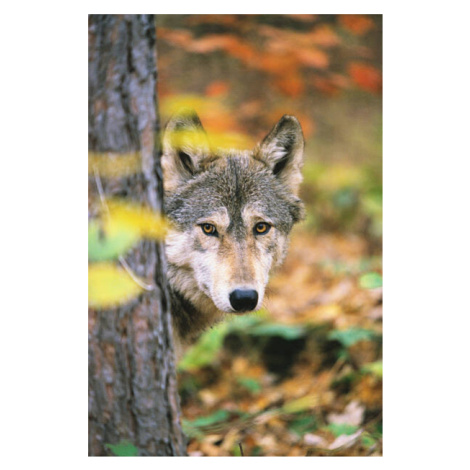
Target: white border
{"type": "Point", "coordinates": [426, 103]}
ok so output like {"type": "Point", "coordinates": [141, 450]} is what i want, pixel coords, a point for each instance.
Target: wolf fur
{"type": "Point", "coordinates": [231, 214]}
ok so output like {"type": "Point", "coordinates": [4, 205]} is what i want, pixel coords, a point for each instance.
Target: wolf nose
{"type": "Point", "coordinates": [243, 300]}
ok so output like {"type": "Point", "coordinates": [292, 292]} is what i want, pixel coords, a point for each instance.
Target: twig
{"type": "Point", "coordinates": [241, 449]}
{"type": "Point", "coordinates": [99, 186]}
{"type": "Point", "coordinates": [147, 287]}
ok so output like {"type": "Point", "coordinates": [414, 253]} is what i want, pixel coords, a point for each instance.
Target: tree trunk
{"type": "Point", "coordinates": [133, 398]}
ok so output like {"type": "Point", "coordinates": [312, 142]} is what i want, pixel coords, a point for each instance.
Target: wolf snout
{"type": "Point", "coordinates": [243, 300]}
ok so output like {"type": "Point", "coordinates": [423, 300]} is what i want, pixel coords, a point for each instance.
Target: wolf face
{"type": "Point", "coordinates": [231, 213]}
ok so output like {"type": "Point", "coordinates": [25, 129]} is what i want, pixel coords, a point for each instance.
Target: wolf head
{"type": "Point", "coordinates": [232, 212]}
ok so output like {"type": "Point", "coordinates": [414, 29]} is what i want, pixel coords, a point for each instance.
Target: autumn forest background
{"type": "Point", "coordinates": [303, 376]}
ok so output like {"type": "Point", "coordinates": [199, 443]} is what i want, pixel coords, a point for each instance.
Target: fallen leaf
{"type": "Point", "coordinates": [353, 414]}
{"type": "Point", "coordinates": [314, 440]}
{"type": "Point", "coordinates": [301, 404]}
{"type": "Point", "coordinates": [345, 441]}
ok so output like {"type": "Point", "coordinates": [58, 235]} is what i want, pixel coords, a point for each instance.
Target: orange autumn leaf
{"type": "Point", "coordinates": [249, 109]}
{"type": "Point", "coordinates": [341, 81]}
{"type": "Point", "coordinates": [210, 43]}
{"type": "Point", "coordinates": [279, 64]}
{"type": "Point", "coordinates": [242, 50]}
{"type": "Point", "coordinates": [324, 36]}
{"type": "Point", "coordinates": [313, 57]}
{"type": "Point", "coordinates": [270, 63]}
{"type": "Point", "coordinates": [227, 42]}
{"type": "Point", "coordinates": [365, 76]}
{"type": "Point", "coordinates": [356, 24]}
{"type": "Point", "coordinates": [284, 41]}
{"type": "Point", "coordinates": [217, 88]}
{"type": "Point", "coordinates": [291, 84]}
{"type": "Point", "coordinates": [177, 37]}
{"type": "Point", "coordinates": [326, 86]}
{"type": "Point", "coordinates": [219, 120]}
{"type": "Point", "coordinates": [303, 17]}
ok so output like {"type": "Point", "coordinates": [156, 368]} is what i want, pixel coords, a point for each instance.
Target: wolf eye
{"type": "Point", "coordinates": [209, 229]}
{"type": "Point", "coordinates": [262, 228]}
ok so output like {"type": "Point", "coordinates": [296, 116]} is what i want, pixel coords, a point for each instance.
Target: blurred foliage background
{"type": "Point", "coordinates": [304, 376]}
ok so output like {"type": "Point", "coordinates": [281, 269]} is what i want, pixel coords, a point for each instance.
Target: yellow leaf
{"type": "Point", "coordinates": [114, 165]}
{"type": "Point", "coordinates": [217, 140]}
{"type": "Point", "coordinates": [174, 104]}
{"type": "Point", "coordinates": [131, 217]}
{"type": "Point", "coordinates": [110, 286]}
{"type": "Point", "coordinates": [229, 140]}
{"type": "Point", "coordinates": [301, 404]}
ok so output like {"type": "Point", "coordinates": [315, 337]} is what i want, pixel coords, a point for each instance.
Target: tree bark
{"type": "Point", "coordinates": [132, 382]}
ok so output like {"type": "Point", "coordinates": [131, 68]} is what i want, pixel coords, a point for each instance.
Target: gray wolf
{"type": "Point", "coordinates": [231, 214]}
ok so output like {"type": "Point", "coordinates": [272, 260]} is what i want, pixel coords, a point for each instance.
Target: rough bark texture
{"type": "Point", "coordinates": [132, 382]}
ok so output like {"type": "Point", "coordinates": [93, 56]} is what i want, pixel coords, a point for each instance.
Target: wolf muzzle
{"type": "Point", "coordinates": [243, 300]}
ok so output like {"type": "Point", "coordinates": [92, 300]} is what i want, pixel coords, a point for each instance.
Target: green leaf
{"type": "Point", "coordinates": [343, 428]}
{"type": "Point", "coordinates": [303, 425]}
{"type": "Point", "coordinates": [236, 452]}
{"type": "Point", "coordinates": [300, 404]}
{"type": "Point", "coordinates": [379, 428]}
{"type": "Point", "coordinates": [370, 281]}
{"type": "Point", "coordinates": [257, 450]}
{"type": "Point", "coordinates": [245, 323]}
{"type": "Point", "coordinates": [123, 449]}
{"type": "Point", "coordinates": [109, 286]}
{"type": "Point", "coordinates": [216, 417]}
{"type": "Point", "coordinates": [288, 332]}
{"type": "Point", "coordinates": [249, 383]}
{"type": "Point", "coordinates": [367, 440]}
{"type": "Point", "coordinates": [351, 336]}
{"type": "Point", "coordinates": [373, 200]}
{"type": "Point", "coordinates": [196, 427]}
{"type": "Point", "coordinates": [103, 246]}
{"type": "Point", "coordinates": [191, 431]}
{"type": "Point", "coordinates": [374, 368]}
{"type": "Point", "coordinates": [121, 228]}
{"type": "Point", "coordinates": [206, 350]}
{"type": "Point", "coordinates": [344, 198]}
{"type": "Point", "coordinates": [204, 421]}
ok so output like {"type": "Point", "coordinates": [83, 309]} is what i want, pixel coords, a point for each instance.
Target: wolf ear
{"type": "Point", "coordinates": [185, 144]}
{"type": "Point", "coordinates": [282, 150]}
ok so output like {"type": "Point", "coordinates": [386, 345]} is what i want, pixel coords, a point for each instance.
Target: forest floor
{"type": "Point", "coordinates": [302, 377]}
